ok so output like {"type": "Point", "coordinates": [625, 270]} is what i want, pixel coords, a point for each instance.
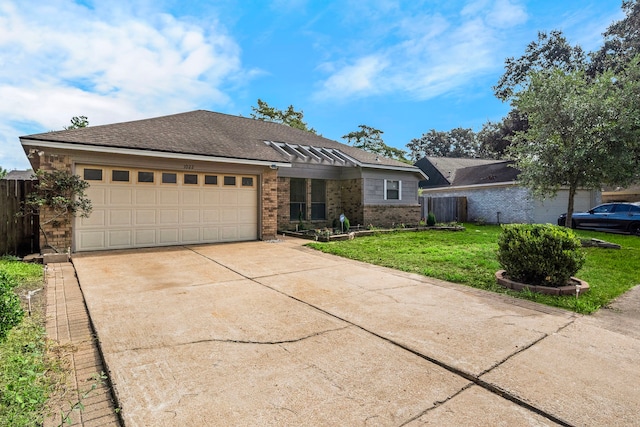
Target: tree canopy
{"type": "Point", "coordinates": [582, 132]}
{"type": "Point", "coordinates": [78, 122]}
{"type": "Point", "coordinates": [458, 142]}
{"type": "Point", "coordinates": [370, 139]}
{"type": "Point", "coordinates": [289, 117]}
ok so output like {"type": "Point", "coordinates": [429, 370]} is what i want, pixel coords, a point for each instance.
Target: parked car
{"type": "Point", "coordinates": [612, 217]}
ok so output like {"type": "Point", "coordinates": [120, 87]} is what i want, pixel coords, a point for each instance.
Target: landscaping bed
{"type": "Point", "coordinates": [330, 235]}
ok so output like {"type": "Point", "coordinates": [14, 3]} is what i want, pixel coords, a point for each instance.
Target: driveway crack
{"type": "Point", "coordinates": [256, 342]}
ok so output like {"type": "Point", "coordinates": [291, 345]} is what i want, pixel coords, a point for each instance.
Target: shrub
{"type": "Point", "coordinates": [539, 254]}
{"type": "Point", "coordinates": [10, 308]}
{"type": "Point", "coordinates": [431, 219]}
{"type": "Point", "coordinates": [347, 224]}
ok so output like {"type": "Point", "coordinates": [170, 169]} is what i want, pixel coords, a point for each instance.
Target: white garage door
{"type": "Point", "coordinates": [549, 210]}
{"type": "Point", "coordinates": [143, 208]}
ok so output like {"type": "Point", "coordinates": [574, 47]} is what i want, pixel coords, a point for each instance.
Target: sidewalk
{"type": "Point", "coordinates": [68, 324]}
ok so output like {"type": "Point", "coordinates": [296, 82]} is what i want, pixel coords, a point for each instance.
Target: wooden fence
{"type": "Point", "coordinates": [18, 234]}
{"type": "Point", "coordinates": [445, 209]}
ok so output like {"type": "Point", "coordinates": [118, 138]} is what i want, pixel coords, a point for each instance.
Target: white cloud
{"type": "Point", "coordinates": [355, 79]}
{"type": "Point", "coordinates": [61, 59]}
{"type": "Point", "coordinates": [427, 54]}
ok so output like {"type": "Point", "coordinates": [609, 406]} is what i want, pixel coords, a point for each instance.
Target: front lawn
{"type": "Point", "coordinates": [24, 367]}
{"type": "Point", "coordinates": [469, 257]}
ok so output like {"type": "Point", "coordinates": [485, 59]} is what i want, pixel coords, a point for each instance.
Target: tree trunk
{"type": "Point", "coordinates": [569, 220]}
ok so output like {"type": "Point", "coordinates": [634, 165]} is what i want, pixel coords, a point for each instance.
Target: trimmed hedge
{"type": "Point", "coordinates": [539, 254]}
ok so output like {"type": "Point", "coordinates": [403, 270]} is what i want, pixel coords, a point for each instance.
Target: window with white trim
{"type": "Point", "coordinates": [392, 190]}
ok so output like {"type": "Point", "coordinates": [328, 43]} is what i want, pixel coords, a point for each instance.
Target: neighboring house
{"type": "Point", "coordinates": [20, 175]}
{"type": "Point", "coordinates": [442, 170]}
{"type": "Point", "coordinates": [494, 196]}
{"type": "Point", "coordinates": [620, 194]}
{"type": "Point", "coordinates": [204, 177]}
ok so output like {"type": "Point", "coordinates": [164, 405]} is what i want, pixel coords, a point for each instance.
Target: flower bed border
{"type": "Point", "coordinates": [505, 282]}
{"type": "Point", "coordinates": [360, 233]}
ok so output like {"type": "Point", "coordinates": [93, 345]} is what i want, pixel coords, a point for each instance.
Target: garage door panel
{"type": "Point", "coordinates": [191, 216]}
{"type": "Point", "coordinates": [169, 216]}
{"type": "Point", "coordinates": [169, 197]}
{"type": "Point", "coordinates": [95, 219]}
{"type": "Point", "coordinates": [229, 198]}
{"type": "Point", "coordinates": [97, 195]}
{"type": "Point", "coordinates": [168, 236]}
{"type": "Point", "coordinates": [229, 233]}
{"type": "Point", "coordinates": [191, 235]}
{"type": "Point", "coordinates": [120, 196]}
{"type": "Point", "coordinates": [145, 237]}
{"type": "Point", "coordinates": [134, 214]}
{"type": "Point", "coordinates": [247, 215]}
{"type": "Point", "coordinates": [92, 240]}
{"type": "Point", "coordinates": [247, 232]}
{"type": "Point", "coordinates": [120, 217]}
{"type": "Point", "coordinates": [211, 216]}
{"type": "Point", "coordinates": [211, 197]}
{"type": "Point", "coordinates": [247, 198]}
{"type": "Point", "coordinates": [229, 216]}
{"type": "Point", "coordinates": [145, 217]}
{"type": "Point", "coordinates": [190, 197]}
{"type": "Point", "coordinates": [210, 234]}
{"type": "Point", "coordinates": [146, 196]}
{"type": "Point", "coordinates": [120, 239]}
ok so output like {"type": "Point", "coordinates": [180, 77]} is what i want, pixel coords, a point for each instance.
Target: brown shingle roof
{"type": "Point", "coordinates": [206, 133]}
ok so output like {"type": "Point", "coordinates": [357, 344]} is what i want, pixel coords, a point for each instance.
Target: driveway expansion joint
{"type": "Point", "coordinates": [475, 379]}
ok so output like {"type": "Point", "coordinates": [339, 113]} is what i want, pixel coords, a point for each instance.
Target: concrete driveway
{"type": "Point", "coordinates": [265, 333]}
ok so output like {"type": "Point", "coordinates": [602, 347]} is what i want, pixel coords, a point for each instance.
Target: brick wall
{"type": "Point", "coordinates": [59, 233]}
{"type": "Point", "coordinates": [270, 199]}
{"type": "Point", "coordinates": [351, 194]}
{"type": "Point", "coordinates": [390, 215]}
{"type": "Point", "coordinates": [514, 204]}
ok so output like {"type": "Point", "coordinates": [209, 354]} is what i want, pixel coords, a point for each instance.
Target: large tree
{"type": "Point", "coordinates": [495, 137]}
{"type": "Point", "coordinates": [370, 139]}
{"type": "Point", "coordinates": [583, 132]}
{"type": "Point", "coordinates": [550, 51]}
{"type": "Point", "coordinates": [621, 41]}
{"type": "Point", "coordinates": [289, 117]}
{"type": "Point", "coordinates": [458, 142]}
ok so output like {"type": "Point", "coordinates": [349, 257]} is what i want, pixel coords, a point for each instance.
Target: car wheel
{"type": "Point", "coordinates": [634, 228]}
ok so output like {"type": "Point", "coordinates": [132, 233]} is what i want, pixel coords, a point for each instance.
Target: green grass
{"type": "Point", "coordinates": [24, 367]}
{"type": "Point", "coordinates": [469, 258]}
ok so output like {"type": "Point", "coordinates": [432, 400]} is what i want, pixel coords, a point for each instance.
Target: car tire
{"type": "Point", "coordinates": [634, 228]}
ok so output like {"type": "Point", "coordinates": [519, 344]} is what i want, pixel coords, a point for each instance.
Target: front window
{"type": "Point", "coordinates": [297, 199]}
{"type": "Point", "coordinates": [318, 199]}
{"type": "Point", "coordinates": [392, 189]}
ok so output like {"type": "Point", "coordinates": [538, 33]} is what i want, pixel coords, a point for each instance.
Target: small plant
{"type": "Point", "coordinates": [431, 219]}
{"type": "Point", "coordinates": [11, 311]}
{"type": "Point", "coordinates": [347, 224]}
{"type": "Point", "coordinates": [539, 254]}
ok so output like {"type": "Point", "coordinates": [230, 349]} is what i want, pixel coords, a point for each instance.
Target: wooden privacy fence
{"type": "Point", "coordinates": [445, 209]}
{"type": "Point", "coordinates": [18, 234]}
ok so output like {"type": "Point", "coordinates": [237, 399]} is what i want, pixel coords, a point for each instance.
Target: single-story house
{"type": "Point", "coordinates": [493, 194]}
{"type": "Point", "coordinates": [205, 177]}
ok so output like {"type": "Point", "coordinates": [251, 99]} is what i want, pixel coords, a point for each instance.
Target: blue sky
{"type": "Point", "coordinates": [403, 67]}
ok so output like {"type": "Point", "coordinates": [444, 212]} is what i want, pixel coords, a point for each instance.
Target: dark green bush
{"type": "Point", "coordinates": [539, 254]}
{"type": "Point", "coordinates": [431, 219]}
{"type": "Point", "coordinates": [10, 308]}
